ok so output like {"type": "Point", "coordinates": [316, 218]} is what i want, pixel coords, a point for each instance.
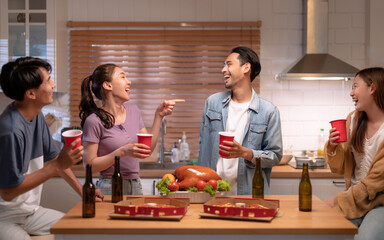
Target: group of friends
{"type": "Point", "coordinates": [29, 155]}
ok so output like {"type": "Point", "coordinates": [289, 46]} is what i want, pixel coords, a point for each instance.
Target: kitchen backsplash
{"type": "Point", "coordinates": [307, 106]}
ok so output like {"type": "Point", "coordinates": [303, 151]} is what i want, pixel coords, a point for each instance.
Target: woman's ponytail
{"type": "Point", "coordinates": [87, 104]}
{"type": "Point", "coordinates": [93, 85]}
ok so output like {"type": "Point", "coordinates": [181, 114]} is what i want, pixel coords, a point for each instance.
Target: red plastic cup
{"type": "Point", "coordinates": [340, 126]}
{"type": "Point", "coordinates": [225, 136]}
{"type": "Point", "coordinates": [145, 138]}
{"type": "Point", "coordinates": [72, 135]}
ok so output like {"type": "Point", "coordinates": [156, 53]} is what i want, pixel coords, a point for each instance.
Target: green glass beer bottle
{"type": "Point", "coordinates": [117, 182]}
{"type": "Point", "coordinates": [88, 194]}
{"type": "Point", "coordinates": [305, 191]}
{"type": "Point", "coordinates": [258, 181]}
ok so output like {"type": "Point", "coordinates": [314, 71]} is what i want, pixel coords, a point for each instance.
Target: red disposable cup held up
{"type": "Point", "coordinates": [340, 126]}
{"type": "Point", "coordinates": [144, 138]}
{"type": "Point", "coordinates": [225, 136]}
{"type": "Point", "coordinates": [72, 135]}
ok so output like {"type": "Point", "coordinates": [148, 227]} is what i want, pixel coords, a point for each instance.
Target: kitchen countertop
{"type": "Point", "coordinates": [321, 222]}
{"type": "Point", "coordinates": [280, 171]}
{"type": "Point", "coordinates": [286, 171]}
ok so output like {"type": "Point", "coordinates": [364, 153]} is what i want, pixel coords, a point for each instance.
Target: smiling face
{"type": "Point", "coordinates": [44, 93]}
{"type": "Point", "coordinates": [120, 85]}
{"type": "Point", "coordinates": [362, 94]}
{"type": "Point", "coordinates": [232, 71]}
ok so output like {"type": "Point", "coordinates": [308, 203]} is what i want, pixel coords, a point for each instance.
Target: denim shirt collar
{"type": "Point", "coordinates": [254, 104]}
{"type": "Point", "coordinates": [227, 99]}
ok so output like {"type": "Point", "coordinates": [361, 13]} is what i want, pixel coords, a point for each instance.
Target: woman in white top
{"type": "Point", "coordinates": [361, 158]}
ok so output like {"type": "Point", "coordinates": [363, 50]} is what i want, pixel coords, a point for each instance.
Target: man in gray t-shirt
{"type": "Point", "coordinates": [28, 155]}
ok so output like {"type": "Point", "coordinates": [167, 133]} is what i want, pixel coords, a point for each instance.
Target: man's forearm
{"type": "Point", "coordinates": [71, 179]}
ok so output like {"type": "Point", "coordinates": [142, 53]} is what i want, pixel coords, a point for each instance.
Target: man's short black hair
{"type": "Point", "coordinates": [248, 55]}
{"type": "Point", "coordinates": [18, 76]}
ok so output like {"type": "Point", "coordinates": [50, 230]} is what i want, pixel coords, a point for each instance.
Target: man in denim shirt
{"type": "Point", "coordinates": [254, 121]}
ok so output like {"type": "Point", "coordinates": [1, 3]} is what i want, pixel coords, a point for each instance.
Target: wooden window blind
{"type": "Point", "coordinates": [163, 61]}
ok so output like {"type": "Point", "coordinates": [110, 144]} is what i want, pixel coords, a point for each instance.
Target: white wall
{"type": "Point", "coordinates": [305, 106]}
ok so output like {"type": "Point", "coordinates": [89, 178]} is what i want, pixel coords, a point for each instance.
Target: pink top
{"type": "Point", "coordinates": [115, 137]}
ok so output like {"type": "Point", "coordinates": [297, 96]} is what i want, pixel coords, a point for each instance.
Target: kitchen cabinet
{"type": "Point", "coordinates": [149, 186]}
{"type": "Point", "coordinates": [323, 188]}
{"type": "Point", "coordinates": [285, 181]}
{"type": "Point", "coordinates": [36, 28]}
{"type": "Point", "coordinates": [58, 195]}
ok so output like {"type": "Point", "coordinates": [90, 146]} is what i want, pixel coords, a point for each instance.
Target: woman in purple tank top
{"type": "Point", "coordinates": [110, 129]}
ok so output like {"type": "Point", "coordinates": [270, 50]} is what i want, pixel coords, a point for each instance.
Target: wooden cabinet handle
{"type": "Point", "coordinates": [154, 187]}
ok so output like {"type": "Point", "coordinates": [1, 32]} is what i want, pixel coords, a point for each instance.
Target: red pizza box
{"type": "Point", "coordinates": [242, 207]}
{"type": "Point", "coordinates": [152, 206]}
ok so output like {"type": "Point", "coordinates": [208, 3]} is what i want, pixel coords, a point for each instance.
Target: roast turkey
{"type": "Point", "coordinates": [188, 175]}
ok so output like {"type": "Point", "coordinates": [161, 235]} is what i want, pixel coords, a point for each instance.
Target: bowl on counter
{"type": "Point", "coordinates": [318, 162]}
{"type": "Point", "coordinates": [285, 159]}
{"type": "Point", "coordinates": [312, 161]}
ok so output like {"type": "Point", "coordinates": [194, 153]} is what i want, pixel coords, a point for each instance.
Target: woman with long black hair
{"type": "Point", "coordinates": [110, 130]}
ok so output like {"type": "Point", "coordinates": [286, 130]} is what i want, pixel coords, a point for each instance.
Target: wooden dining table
{"type": "Point", "coordinates": [322, 222]}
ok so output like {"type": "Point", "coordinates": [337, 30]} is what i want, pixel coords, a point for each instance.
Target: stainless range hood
{"type": "Point", "coordinates": [317, 64]}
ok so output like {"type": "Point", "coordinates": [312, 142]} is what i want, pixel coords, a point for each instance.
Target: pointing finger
{"type": "Point", "coordinates": [177, 100]}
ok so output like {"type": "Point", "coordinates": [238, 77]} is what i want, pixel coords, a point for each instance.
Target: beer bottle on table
{"type": "Point", "coordinates": [305, 191]}
{"type": "Point", "coordinates": [88, 194]}
{"type": "Point", "coordinates": [117, 182]}
{"type": "Point", "coordinates": [258, 181]}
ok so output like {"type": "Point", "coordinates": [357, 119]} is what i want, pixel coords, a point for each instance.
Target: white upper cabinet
{"type": "Point", "coordinates": [36, 28]}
